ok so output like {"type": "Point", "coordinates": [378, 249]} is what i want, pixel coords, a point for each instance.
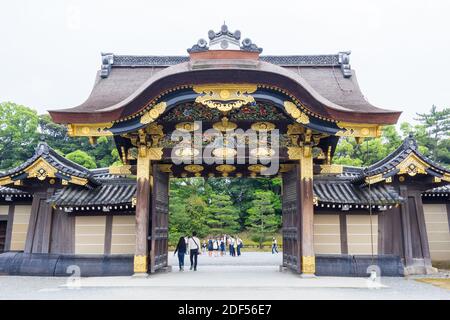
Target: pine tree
{"type": "Point", "coordinates": [262, 220]}
{"type": "Point", "coordinates": [437, 125]}
{"type": "Point", "coordinates": [222, 216]}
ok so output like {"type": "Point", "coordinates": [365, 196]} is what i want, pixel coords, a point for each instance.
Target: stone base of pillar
{"type": "Point", "coordinates": [307, 275]}
{"type": "Point", "coordinates": [140, 275]}
{"type": "Point", "coordinates": [419, 270]}
{"type": "Point", "coordinates": [419, 267]}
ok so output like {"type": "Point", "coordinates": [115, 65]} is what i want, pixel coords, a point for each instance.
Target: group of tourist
{"type": "Point", "coordinates": [216, 245]}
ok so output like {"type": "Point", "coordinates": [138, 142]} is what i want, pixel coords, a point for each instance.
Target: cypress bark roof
{"type": "Point", "coordinates": [124, 81]}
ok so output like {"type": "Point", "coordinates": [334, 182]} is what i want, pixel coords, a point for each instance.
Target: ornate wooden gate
{"type": "Point", "coordinates": [291, 220]}
{"type": "Point", "coordinates": [159, 223]}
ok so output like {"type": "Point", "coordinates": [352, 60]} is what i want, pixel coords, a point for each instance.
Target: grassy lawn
{"type": "Point", "coordinates": [438, 282]}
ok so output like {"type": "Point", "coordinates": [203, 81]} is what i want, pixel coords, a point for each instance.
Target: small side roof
{"type": "Point", "coordinates": [406, 159]}
{"type": "Point", "coordinates": [46, 162]}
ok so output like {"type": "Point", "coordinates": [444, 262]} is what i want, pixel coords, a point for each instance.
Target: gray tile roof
{"type": "Point", "coordinates": [115, 192]}
{"type": "Point", "coordinates": [340, 190]}
{"type": "Point", "coordinates": [63, 165]}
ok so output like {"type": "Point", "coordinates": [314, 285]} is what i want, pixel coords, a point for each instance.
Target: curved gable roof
{"type": "Point", "coordinates": [133, 81]}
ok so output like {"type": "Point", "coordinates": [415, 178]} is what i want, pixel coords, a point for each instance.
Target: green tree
{"type": "Point", "coordinates": [262, 221]}
{"type": "Point", "coordinates": [18, 134]}
{"type": "Point", "coordinates": [222, 216]}
{"type": "Point", "coordinates": [436, 123]}
{"type": "Point", "coordinates": [82, 158]}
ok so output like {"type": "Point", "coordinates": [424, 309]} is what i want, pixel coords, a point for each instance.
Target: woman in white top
{"type": "Point", "coordinates": [194, 248]}
{"type": "Point", "coordinates": [216, 247]}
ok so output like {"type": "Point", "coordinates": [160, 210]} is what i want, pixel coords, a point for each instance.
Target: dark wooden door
{"type": "Point", "coordinates": [159, 223]}
{"type": "Point", "coordinates": [2, 235]}
{"type": "Point", "coordinates": [291, 220]}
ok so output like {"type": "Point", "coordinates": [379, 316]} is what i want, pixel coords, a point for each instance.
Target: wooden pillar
{"type": "Point", "coordinates": [422, 229]}
{"type": "Point", "coordinates": [308, 265]}
{"type": "Point", "coordinates": [142, 211]}
{"type": "Point", "coordinates": [9, 227]}
{"type": "Point", "coordinates": [406, 229]}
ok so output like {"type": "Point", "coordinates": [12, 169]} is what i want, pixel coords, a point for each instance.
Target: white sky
{"type": "Point", "coordinates": [50, 50]}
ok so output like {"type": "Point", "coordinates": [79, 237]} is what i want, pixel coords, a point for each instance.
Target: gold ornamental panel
{"type": "Point", "coordinates": [225, 96]}
{"type": "Point", "coordinates": [308, 264]}
{"type": "Point", "coordinates": [296, 113]}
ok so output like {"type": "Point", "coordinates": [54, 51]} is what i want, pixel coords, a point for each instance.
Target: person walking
{"type": "Point", "coordinates": [204, 247]}
{"type": "Point", "coordinates": [210, 247]}
{"type": "Point", "coordinates": [222, 247]}
{"type": "Point", "coordinates": [181, 249]}
{"type": "Point", "coordinates": [215, 247]}
{"type": "Point", "coordinates": [194, 247]}
{"type": "Point", "coordinates": [239, 246]}
{"type": "Point", "coordinates": [230, 246]}
{"type": "Point", "coordinates": [234, 246]}
{"type": "Point", "coordinates": [274, 245]}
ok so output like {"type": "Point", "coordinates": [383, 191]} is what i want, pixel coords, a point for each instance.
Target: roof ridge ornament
{"type": "Point", "coordinates": [107, 61]}
{"type": "Point", "coordinates": [344, 61]}
{"type": "Point", "coordinates": [224, 40]}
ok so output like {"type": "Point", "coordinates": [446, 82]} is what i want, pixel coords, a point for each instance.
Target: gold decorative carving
{"type": "Point", "coordinates": [89, 129]}
{"type": "Point", "coordinates": [388, 180]}
{"type": "Point", "coordinates": [263, 126]}
{"type": "Point", "coordinates": [223, 96]}
{"type": "Point", "coordinates": [153, 114]}
{"type": "Point", "coordinates": [41, 169]}
{"type": "Point", "coordinates": [374, 179]}
{"type": "Point", "coordinates": [5, 181]}
{"type": "Point", "coordinates": [412, 165]}
{"type": "Point", "coordinates": [401, 179]}
{"type": "Point", "coordinates": [296, 113]}
{"type": "Point", "coordinates": [295, 129]}
{"type": "Point", "coordinates": [315, 200]}
{"type": "Point", "coordinates": [77, 180]}
{"type": "Point", "coordinates": [194, 168]}
{"type": "Point", "coordinates": [140, 264]}
{"type": "Point", "coordinates": [295, 153]}
{"type": "Point", "coordinates": [133, 201]}
{"type": "Point", "coordinates": [308, 264]}
{"type": "Point", "coordinates": [120, 170]}
{"type": "Point", "coordinates": [224, 125]}
{"type": "Point", "coordinates": [257, 168]}
{"type": "Point", "coordinates": [187, 126]}
{"type": "Point", "coordinates": [155, 153]}
{"type": "Point", "coordinates": [225, 169]}
{"type": "Point", "coordinates": [167, 168]}
{"type": "Point", "coordinates": [331, 169]}
{"type": "Point", "coordinates": [358, 130]}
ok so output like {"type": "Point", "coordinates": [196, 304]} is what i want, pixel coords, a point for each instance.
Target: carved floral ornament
{"type": "Point", "coordinates": [225, 97]}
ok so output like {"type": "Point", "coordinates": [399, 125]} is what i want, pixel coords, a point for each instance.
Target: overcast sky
{"type": "Point", "coordinates": [50, 50]}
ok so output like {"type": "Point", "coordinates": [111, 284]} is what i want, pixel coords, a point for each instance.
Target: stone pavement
{"type": "Point", "coordinates": [219, 278]}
